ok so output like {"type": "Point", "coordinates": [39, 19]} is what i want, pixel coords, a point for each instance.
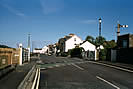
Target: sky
{"type": "Point", "coordinates": [49, 20]}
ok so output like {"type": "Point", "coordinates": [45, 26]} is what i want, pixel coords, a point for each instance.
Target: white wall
{"type": "Point", "coordinates": [37, 51]}
{"type": "Point", "coordinates": [70, 43]}
{"type": "Point", "coordinates": [88, 46]}
{"type": "Point", "coordinates": [44, 49]}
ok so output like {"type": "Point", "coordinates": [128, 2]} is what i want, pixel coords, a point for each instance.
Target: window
{"type": "Point", "coordinates": [124, 43]}
{"type": "Point", "coordinates": [74, 39]}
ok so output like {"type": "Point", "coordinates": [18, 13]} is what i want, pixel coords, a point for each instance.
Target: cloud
{"type": "Point", "coordinates": [13, 10]}
{"type": "Point", "coordinates": [88, 21]}
{"type": "Point", "coordinates": [51, 6]}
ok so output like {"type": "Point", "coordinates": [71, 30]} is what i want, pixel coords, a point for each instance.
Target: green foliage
{"type": "Point", "coordinates": [90, 39]}
{"type": "Point", "coordinates": [103, 53]}
{"type": "Point", "coordinates": [76, 52]}
{"type": "Point", "coordinates": [65, 54]}
{"type": "Point", "coordinates": [4, 46]}
{"type": "Point", "coordinates": [102, 41]}
{"type": "Point", "coordinates": [99, 40]}
{"type": "Point", "coordinates": [109, 44]}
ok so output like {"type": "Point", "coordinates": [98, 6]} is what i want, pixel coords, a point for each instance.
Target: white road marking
{"type": "Point", "coordinates": [78, 66]}
{"type": "Point", "coordinates": [57, 65]}
{"type": "Point", "coordinates": [107, 82]}
{"type": "Point", "coordinates": [42, 68]}
{"type": "Point", "coordinates": [38, 80]}
{"type": "Point", "coordinates": [113, 66]}
{"type": "Point", "coordinates": [33, 85]}
{"type": "Point", "coordinates": [50, 67]}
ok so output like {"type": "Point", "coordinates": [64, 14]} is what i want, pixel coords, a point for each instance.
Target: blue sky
{"type": "Point", "coordinates": [49, 20]}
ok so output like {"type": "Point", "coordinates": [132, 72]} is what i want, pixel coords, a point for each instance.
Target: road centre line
{"type": "Point", "coordinates": [78, 66]}
{"type": "Point", "coordinates": [107, 82]}
{"type": "Point", "coordinates": [112, 66]}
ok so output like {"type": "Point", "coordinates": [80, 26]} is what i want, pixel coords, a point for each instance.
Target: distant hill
{"type": "Point", "coordinates": [4, 46]}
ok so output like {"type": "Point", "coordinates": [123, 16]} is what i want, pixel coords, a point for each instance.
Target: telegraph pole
{"type": "Point", "coordinates": [28, 47]}
{"type": "Point", "coordinates": [28, 40]}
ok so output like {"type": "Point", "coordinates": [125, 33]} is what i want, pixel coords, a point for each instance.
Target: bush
{"type": "Point", "coordinates": [103, 53]}
{"type": "Point", "coordinates": [76, 52]}
{"type": "Point", "coordinates": [65, 54]}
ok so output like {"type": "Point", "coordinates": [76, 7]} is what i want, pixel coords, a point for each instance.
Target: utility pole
{"type": "Point", "coordinates": [28, 40]}
{"type": "Point", "coordinates": [28, 47]}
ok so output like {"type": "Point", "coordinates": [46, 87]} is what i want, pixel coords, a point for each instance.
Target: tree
{"type": "Point", "coordinates": [107, 45]}
{"type": "Point", "coordinates": [110, 44]}
{"type": "Point", "coordinates": [4, 46]}
{"type": "Point", "coordinates": [99, 40]}
{"type": "Point", "coordinates": [76, 52]}
{"type": "Point", "coordinates": [90, 39]}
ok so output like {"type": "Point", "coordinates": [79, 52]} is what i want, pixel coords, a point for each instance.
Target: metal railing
{"type": "Point", "coordinates": [31, 81]}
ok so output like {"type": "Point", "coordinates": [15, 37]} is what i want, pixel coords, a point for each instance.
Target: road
{"type": "Point", "coordinates": [67, 73]}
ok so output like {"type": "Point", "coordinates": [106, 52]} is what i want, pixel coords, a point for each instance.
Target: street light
{"type": "Point", "coordinates": [100, 21]}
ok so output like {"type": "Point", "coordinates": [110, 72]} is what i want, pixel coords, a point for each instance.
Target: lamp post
{"type": "Point", "coordinates": [100, 21]}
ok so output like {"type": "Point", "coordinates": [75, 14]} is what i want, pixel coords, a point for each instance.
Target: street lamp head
{"type": "Point", "coordinates": [100, 20]}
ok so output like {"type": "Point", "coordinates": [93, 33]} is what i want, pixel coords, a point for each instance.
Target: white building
{"type": "Point", "coordinates": [41, 50]}
{"type": "Point", "coordinates": [69, 42]}
{"type": "Point", "coordinates": [89, 50]}
{"type": "Point", "coordinates": [45, 49]}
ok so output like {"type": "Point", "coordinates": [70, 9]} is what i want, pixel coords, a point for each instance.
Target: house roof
{"type": "Point", "coordinates": [86, 41]}
{"type": "Point", "coordinates": [66, 38]}
{"type": "Point", "coordinates": [88, 46]}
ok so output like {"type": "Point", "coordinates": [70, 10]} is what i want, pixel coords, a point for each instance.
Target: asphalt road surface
{"type": "Point", "coordinates": [67, 73]}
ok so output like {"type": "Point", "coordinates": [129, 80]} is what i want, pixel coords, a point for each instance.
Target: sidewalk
{"type": "Point", "coordinates": [122, 65]}
{"type": "Point", "coordinates": [13, 79]}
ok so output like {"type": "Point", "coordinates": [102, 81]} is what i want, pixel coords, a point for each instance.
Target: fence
{"type": "Point", "coordinates": [13, 56]}
{"type": "Point", "coordinates": [125, 55]}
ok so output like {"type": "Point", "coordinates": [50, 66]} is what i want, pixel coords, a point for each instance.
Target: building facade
{"type": "Point", "coordinates": [125, 41]}
{"type": "Point", "coordinates": [69, 42]}
{"type": "Point", "coordinates": [90, 50]}
{"type": "Point", "coordinates": [13, 56]}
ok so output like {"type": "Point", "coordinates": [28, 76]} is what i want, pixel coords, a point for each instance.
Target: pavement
{"type": "Point", "coordinates": [78, 74]}
{"type": "Point", "coordinates": [122, 65]}
{"type": "Point", "coordinates": [14, 78]}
